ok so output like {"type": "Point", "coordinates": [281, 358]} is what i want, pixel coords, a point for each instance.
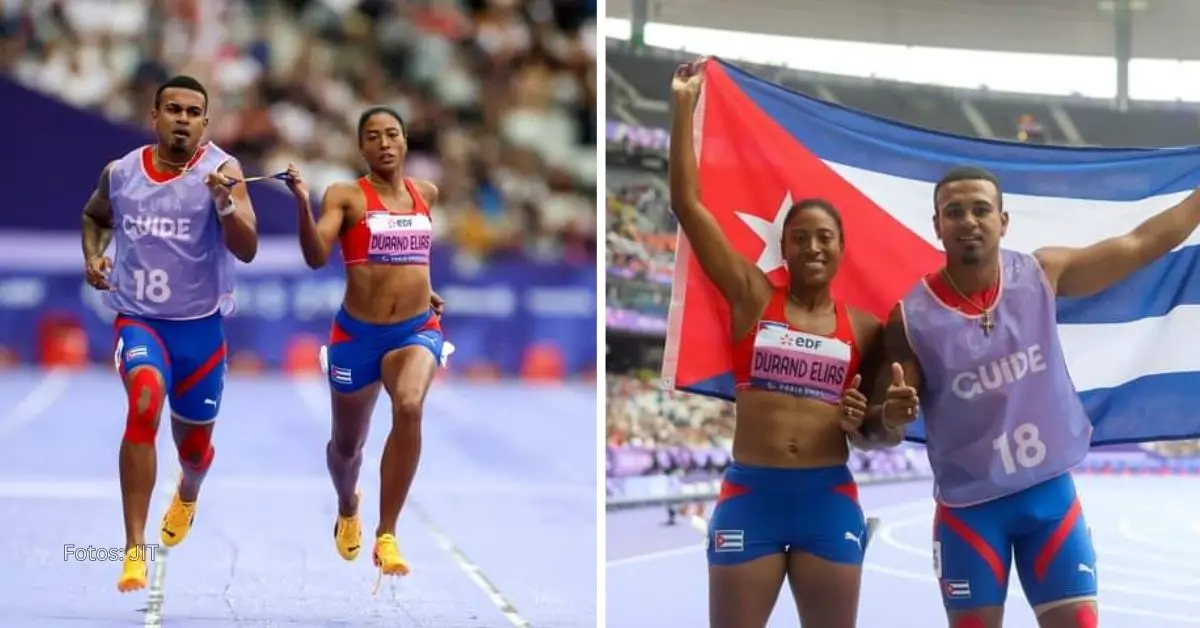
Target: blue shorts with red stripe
{"type": "Point", "coordinates": [1042, 527]}
{"type": "Point", "coordinates": [189, 354]}
{"type": "Point", "coordinates": [356, 349]}
{"type": "Point", "coordinates": [763, 511]}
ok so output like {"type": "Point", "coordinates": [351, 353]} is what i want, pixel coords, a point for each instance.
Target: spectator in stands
{"type": "Point", "coordinates": [641, 232]}
{"type": "Point", "coordinates": [1030, 131]}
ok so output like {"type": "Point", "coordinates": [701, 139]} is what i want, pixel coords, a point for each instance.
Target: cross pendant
{"type": "Point", "coordinates": [986, 323]}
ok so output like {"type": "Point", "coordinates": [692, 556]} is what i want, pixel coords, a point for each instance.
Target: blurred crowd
{"type": "Point", "coordinates": [498, 96]}
{"type": "Point", "coordinates": [1176, 449]}
{"type": "Point", "coordinates": [640, 237]}
{"type": "Point", "coordinates": [640, 414]}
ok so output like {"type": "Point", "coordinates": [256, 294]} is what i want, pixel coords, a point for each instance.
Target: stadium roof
{"type": "Point", "coordinates": [1162, 29]}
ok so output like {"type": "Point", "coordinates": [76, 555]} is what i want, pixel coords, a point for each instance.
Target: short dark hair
{"type": "Point", "coordinates": [967, 173]}
{"type": "Point", "coordinates": [181, 81]}
{"type": "Point", "coordinates": [366, 115]}
{"type": "Point", "coordinates": [821, 204]}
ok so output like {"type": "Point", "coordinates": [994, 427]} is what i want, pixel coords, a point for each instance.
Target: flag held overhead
{"type": "Point", "coordinates": [1130, 349]}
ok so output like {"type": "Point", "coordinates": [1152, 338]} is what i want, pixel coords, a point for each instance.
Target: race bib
{"type": "Point", "coordinates": [798, 363]}
{"type": "Point", "coordinates": [399, 238]}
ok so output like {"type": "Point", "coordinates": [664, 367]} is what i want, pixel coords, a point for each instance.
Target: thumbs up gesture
{"type": "Point", "coordinates": [900, 405]}
{"type": "Point", "coordinates": [853, 407]}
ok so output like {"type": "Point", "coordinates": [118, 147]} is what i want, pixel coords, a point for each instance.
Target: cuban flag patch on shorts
{"type": "Point", "coordinates": [958, 589]}
{"type": "Point", "coordinates": [340, 375]}
{"type": "Point", "coordinates": [729, 541]}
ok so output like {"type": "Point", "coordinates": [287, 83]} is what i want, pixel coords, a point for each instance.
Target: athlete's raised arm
{"type": "Point", "coordinates": [97, 227]}
{"type": "Point", "coordinates": [1080, 272]}
{"type": "Point", "coordinates": [239, 224]}
{"type": "Point", "coordinates": [894, 401]}
{"type": "Point", "coordinates": [317, 237]}
{"type": "Point", "coordinates": [734, 275]}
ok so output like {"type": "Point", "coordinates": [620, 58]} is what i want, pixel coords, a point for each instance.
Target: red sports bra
{"type": "Point", "coordinates": [777, 357]}
{"type": "Point", "coordinates": [384, 237]}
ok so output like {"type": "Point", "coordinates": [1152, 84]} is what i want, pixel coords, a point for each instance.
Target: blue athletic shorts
{"type": "Point", "coordinates": [1042, 527]}
{"type": "Point", "coordinates": [189, 354]}
{"type": "Point", "coordinates": [356, 349]}
{"type": "Point", "coordinates": [763, 511]}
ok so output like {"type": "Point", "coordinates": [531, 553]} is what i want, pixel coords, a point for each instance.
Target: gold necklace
{"type": "Point", "coordinates": [183, 167]}
{"type": "Point", "coordinates": [985, 321]}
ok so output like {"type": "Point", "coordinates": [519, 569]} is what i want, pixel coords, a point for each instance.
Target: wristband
{"type": "Point", "coordinates": [228, 209]}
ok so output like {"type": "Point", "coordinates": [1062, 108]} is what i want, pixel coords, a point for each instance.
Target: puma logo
{"type": "Point", "coordinates": [857, 540]}
{"type": "Point", "coordinates": [1087, 569]}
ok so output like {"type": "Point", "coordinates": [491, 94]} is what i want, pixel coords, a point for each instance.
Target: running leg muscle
{"type": "Point", "coordinates": [1077, 614]}
{"type": "Point", "coordinates": [743, 596]}
{"type": "Point", "coordinates": [348, 434]}
{"type": "Point", "coordinates": [826, 593]}
{"type": "Point", "coordinates": [407, 374]}
{"type": "Point", "coordinates": [138, 462]}
{"type": "Point", "coordinates": [193, 441]}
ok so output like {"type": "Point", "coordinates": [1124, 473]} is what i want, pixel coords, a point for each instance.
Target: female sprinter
{"type": "Point", "coordinates": [788, 506]}
{"type": "Point", "coordinates": [386, 334]}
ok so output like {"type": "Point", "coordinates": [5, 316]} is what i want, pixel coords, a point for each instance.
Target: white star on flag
{"type": "Point", "coordinates": [771, 233]}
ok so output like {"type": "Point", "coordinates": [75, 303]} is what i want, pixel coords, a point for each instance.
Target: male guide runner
{"type": "Point", "coordinates": [1004, 424]}
{"type": "Point", "coordinates": [177, 212]}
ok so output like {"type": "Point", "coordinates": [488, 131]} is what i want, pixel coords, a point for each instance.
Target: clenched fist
{"type": "Point", "coordinates": [96, 272]}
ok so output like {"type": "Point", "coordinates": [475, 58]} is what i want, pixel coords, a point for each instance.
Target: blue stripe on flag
{"type": "Point", "coordinates": [1153, 291]}
{"type": "Point", "coordinates": [1163, 406]}
{"type": "Point", "coordinates": [844, 136]}
{"type": "Point", "coordinates": [720, 387]}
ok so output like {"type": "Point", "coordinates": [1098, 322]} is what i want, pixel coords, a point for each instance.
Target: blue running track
{"type": "Point", "coordinates": [500, 528]}
{"type": "Point", "coordinates": [1147, 533]}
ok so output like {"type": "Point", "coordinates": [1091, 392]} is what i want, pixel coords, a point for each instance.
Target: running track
{"type": "Point", "coordinates": [1147, 532]}
{"type": "Point", "coordinates": [505, 493]}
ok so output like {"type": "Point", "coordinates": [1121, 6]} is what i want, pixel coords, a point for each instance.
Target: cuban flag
{"type": "Point", "coordinates": [1133, 350]}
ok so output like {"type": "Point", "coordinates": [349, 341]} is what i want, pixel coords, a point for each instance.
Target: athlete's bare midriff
{"type": "Point", "coordinates": [776, 430]}
{"type": "Point", "coordinates": [381, 294]}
